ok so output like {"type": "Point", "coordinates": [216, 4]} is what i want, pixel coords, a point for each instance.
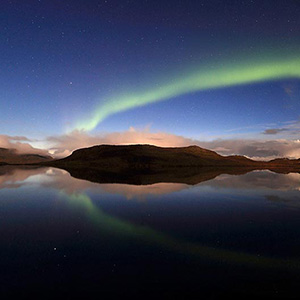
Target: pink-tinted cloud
{"type": "Point", "coordinates": [258, 149]}
{"type": "Point", "coordinates": [65, 144]}
{"type": "Point", "coordinates": [20, 144]}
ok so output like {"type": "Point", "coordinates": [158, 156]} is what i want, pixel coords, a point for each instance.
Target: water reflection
{"type": "Point", "coordinates": [264, 181]}
{"type": "Point", "coordinates": [13, 177]}
{"type": "Point", "coordinates": [227, 219]}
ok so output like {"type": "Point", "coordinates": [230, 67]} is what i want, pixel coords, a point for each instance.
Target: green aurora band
{"type": "Point", "coordinates": [209, 78]}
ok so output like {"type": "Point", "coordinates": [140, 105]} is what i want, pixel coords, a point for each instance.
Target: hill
{"type": "Point", "coordinates": [114, 158]}
{"type": "Point", "coordinates": [109, 157]}
{"type": "Point", "coordinates": [146, 158]}
{"type": "Point", "coordinates": [11, 156]}
{"type": "Point", "coordinates": [146, 164]}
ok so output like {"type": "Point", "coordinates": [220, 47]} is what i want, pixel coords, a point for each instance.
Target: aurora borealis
{"type": "Point", "coordinates": [74, 71]}
{"type": "Point", "coordinates": [221, 77]}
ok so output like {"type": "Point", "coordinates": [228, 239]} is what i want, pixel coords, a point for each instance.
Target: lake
{"type": "Point", "coordinates": [235, 235]}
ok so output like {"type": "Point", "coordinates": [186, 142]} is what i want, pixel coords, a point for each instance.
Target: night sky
{"type": "Point", "coordinates": [75, 73]}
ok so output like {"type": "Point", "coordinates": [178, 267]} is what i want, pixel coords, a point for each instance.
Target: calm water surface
{"type": "Point", "coordinates": [65, 237]}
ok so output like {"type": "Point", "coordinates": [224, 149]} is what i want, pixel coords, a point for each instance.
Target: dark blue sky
{"type": "Point", "coordinates": [63, 62]}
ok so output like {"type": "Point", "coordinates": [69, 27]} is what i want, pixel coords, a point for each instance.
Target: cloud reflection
{"type": "Point", "coordinates": [262, 180]}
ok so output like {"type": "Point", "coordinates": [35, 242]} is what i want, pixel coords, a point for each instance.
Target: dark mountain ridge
{"type": "Point", "coordinates": [147, 157]}
{"type": "Point", "coordinates": [134, 158]}
{"type": "Point", "coordinates": [147, 164]}
{"type": "Point", "coordinates": [11, 156]}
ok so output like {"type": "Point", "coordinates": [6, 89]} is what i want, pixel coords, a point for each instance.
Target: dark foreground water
{"type": "Point", "coordinates": [67, 238]}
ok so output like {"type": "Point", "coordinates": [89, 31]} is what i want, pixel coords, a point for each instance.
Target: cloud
{"type": "Point", "coordinates": [21, 144]}
{"type": "Point", "coordinates": [274, 130]}
{"type": "Point", "coordinates": [65, 144]}
{"type": "Point", "coordinates": [257, 149]}
{"type": "Point", "coordinates": [288, 130]}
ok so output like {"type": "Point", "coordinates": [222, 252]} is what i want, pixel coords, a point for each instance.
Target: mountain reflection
{"type": "Point", "coordinates": [14, 177]}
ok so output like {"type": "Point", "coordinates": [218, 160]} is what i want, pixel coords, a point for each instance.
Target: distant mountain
{"type": "Point", "coordinates": [11, 156]}
{"type": "Point", "coordinates": [145, 157]}
{"type": "Point", "coordinates": [152, 158]}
